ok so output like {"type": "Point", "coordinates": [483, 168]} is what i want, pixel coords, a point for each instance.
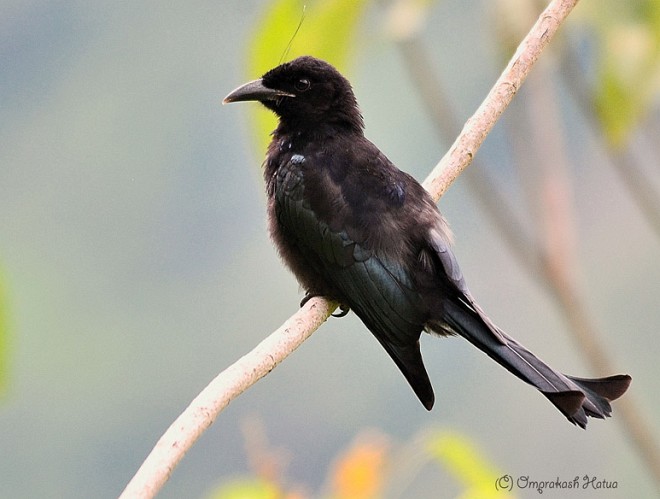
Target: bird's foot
{"type": "Point", "coordinates": [308, 296]}
{"type": "Point", "coordinates": [343, 309]}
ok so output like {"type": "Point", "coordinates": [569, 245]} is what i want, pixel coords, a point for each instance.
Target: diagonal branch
{"type": "Point", "coordinates": [229, 384]}
{"type": "Point", "coordinates": [204, 409]}
{"type": "Point", "coordinates": [482, 121]}
{"type": "Point", "coordinates": [550, 271]}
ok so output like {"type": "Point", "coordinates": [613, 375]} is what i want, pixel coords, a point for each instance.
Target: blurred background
{"type": "Point", "coordinates": [135, 263]}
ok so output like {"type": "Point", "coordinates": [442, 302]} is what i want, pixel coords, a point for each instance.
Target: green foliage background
{"type": "Point", "coordinates": [628, 61]}
{"type": "Point", "coordinates": [136, 263]}
{"type": "Point", "coordinates": [328, 30]}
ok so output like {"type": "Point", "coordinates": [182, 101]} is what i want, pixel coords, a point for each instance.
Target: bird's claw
{"type": "Point", "coordinates": [307, 297]}
{"type": "Point", "coordinates": [343, 309]}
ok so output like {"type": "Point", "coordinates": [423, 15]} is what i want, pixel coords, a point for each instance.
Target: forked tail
{"type": "Point", "coordinates": [576, 398]}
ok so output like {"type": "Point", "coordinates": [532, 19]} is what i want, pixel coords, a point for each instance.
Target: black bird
{"type": "Point", "coordinates": [354, 228]}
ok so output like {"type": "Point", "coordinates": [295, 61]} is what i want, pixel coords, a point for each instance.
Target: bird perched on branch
{"type": "Point", "coordinates": [355, 229]}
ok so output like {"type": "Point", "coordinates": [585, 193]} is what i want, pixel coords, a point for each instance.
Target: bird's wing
{"type": "Point", "coordinates": [378, 289]}
{"type": "Point", "coordinates": [442, 250]}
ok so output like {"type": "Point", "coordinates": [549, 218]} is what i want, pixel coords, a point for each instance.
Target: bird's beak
{"type": "Point", "coordinates": [255, 90]}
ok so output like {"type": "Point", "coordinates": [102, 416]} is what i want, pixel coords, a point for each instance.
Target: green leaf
{"type": "Point", "coordinates": [464, 461]}
{"type": "Point", "coordinates": [617, 108]}
{"type": "Point", "coordinates": [327, 32]}
{"type": "Point", "coordinates": [628, 65]}
{"type": "Point", "coordinates": [246, 488]}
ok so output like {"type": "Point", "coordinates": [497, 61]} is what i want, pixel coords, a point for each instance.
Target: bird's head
{"type": "Point", "coordinates": [306, 92]}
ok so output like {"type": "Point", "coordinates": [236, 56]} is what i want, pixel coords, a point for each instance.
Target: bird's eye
{"type": "Point", "coordinates": [302, 84]}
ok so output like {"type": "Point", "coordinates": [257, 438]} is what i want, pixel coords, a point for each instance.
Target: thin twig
{"type": "Point", "coordinates": [505, 220]}
{"type": "Point", "coordinates": [482, 121]}
{"type": "Point", "coordinates": [228, 385]}
{"type": "Point", "coordinates": [204, 409]}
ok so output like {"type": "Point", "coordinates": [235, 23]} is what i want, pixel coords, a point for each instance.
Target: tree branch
{"type": "Point", "coordinates": [204, 409]}
{"type": "Point", "coordinates": [482, 121]}
{"type": "Point", "coordinates": [552, 268]}
{"type": "Point", "coordinates": [505, 219]}
{"type": "Point", "coordinates": [228, 385]}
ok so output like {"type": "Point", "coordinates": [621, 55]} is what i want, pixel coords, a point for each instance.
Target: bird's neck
{"type": "Point", "coordinates": [288, 141]}
{"type": "Point", "coordinates": [306, 130]}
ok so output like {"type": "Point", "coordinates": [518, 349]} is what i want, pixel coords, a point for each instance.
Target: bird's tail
{"type": "Point", "coordinates": [576, 398]}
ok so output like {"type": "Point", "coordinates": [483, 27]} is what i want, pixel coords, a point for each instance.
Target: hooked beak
{"type": "Point", "coordinates": [255, 90]}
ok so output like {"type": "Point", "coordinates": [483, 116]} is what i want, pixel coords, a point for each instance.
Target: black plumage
{"type": "Point", "coordinates": [356, 229]}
